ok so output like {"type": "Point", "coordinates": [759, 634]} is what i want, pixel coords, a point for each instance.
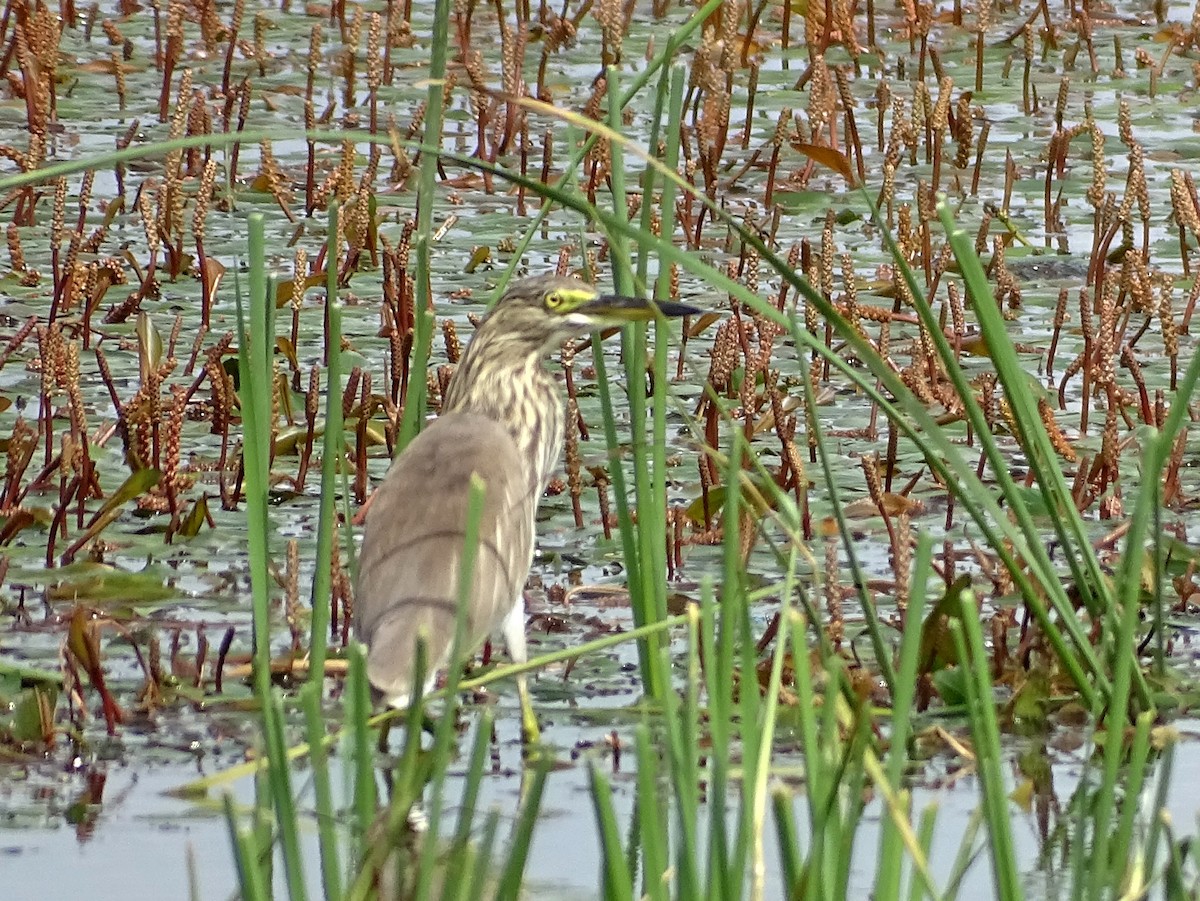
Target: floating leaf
{"type": "Point", "coordinates": [33, 714]}
{"type": "Point", "coordinates": [1022, 795]}
{"type": "Point", "coordinates": [100, 67]}
{"type": "Point", "coordinates": [150, 346]}
{"type": "Point", "coordinates": [759, 501]}
{"type": "Point", "coordinates": [893, 505]}
{"type": "Point", "coordinates": [1029, 703]}
{"type": "Point", "coordinates": [283, 393]}
{"type": "Point", "coordinates": [937, 649]}
{"type": "Point", "coordinates": [288, 440]}
{"type": "Point", "coordinates": [284, 345]}
{"type": "Point", "coordinates": [100, 582]}
{"type": "Point", "coordinates": [951, 685]}
{"type": "Point", "coordinates": [286, 288]}
{"type": "Point", "coordinates": [214, 272]}
{"type": "Point", "coordinates": [480, 255]}
{"type": "Point", "coordinates": [14, 524]}
{"type": "Point", "coordinates": [260, 184]}
{"type": "Point", "coordinates": [134, 486]}
{"type": "Point", "coordinates": [702, 323]}
{"type": "Point", "coordinates": [196, 518]}
{"type": "Point", "coordinates": [83, 643]}
{"type": "Point", "coordinates": [829, 158]}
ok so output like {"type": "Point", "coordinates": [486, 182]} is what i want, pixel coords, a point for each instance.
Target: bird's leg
{"type": "Point", "coordinates": [514, 638]}
{"type": "Point", "coordinates": [385, 732]}
{"type": "Point", "coordinates": [531, 734]}
{"type": "Point", "coordinates": [428, 725]}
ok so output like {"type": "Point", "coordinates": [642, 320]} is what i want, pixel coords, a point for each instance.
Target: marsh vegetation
{"type": "Point", "coordinates": [879, 577]}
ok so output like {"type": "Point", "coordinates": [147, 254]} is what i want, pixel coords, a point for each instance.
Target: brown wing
{"type": "Point", "coordinates": [415, 533]}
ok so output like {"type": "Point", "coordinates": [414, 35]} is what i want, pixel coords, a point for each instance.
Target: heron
{"type": "Point", "coordinates": [501, 423]}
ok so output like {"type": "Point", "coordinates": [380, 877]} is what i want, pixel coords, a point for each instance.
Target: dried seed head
{"type": "Point", "coordinates": [299, 277]}
{"type": "Point", "coordinates": [1182, 203]}
{"type": "Point", "coordinates": [828, 253]}
{"type": "Point", "coordinates": [822, 97]}
{"type": "Point", "coordinates": [835, 625]}
{"type": "Point", "coordinates": [940, 117]}
{"type": "Point", "coordinates": [183, 105]}
{"type": "Point", "coordinates": [963, 130]}
{"type": "Point", "coordinates": [1060, 105]}
{"type": "Point", "coordinates": [312, 397]}
{"type": "Point", "coordinates": [902, 560]}
{"type": "Point", "coordinates": [887, 193]}
{"type": "Point", "coordinates": [374, 59]}
{"type": "Point", "coordinates": [1106, 361]}
{"type": "Point", "coordinates": [1095, 194]}
{"type": "Point", "coordinates": [558, 32]}
{"type": "Point", "coordinates": [119, 75]}
{"type": "Point", "coordinates": [724, 361]}
{"type": "Point", "coordinates": [272, 173]}
{"type": "Point", "coordinates": [262, 22]}
{"type": "Point", "coordinates": [574, 464]}
{"type": "Point", "coordinates": [779, 136]}
{"type": "Point", "coordinates": [1170, 330]}
{"type": "Point", "coordinates": [611, 17]}
{"type": "Point", "coordinates": [112, 32]}
{"type": "Point", "coordinates": [16, 253]}
{"type": "Point", "coordinates": [313, 62]}
{"type": "Point", "coordinates": [450, 338]}
{"type": "Point", "coordinates": [904, 231]}
{"type": "Point", "coordinates": [850, 289]}
{"type": "Point", "coordinates": [1125, 123]}
{"type": "Point", "coordinates": [171, 436]}
{"type": "Point", "coordinates": [870, 468]}
{"type": "Point", "coordinates": [1137, 172]}
{"type": "Point", "coordinates": [204, 198]}
{"type": "Point", "coordinates": [1058, 440]}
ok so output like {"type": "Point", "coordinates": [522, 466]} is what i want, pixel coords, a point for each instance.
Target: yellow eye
{"type": "Point", "coordinates": [554, 300]}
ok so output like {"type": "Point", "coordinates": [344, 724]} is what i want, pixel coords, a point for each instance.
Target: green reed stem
{"type": "Point", "coordinates": [643, 575]}
{"type": "Point", "coordinates": [245, 852]}
{"type": "Point", "coordinates": [518, 854]}
{"type": "Point", "coordinates": [615, 880]}
{"type": "Point", "coordinates": [887, 882]}
{"type": "Point", "coordinates": [415, 402]}
{"type": "Point", "coordinates": [456, 886]}
{"type": "Point", "coordinates": [331, 455]}
{"type": "Point", "coordinates": [968, 639]}
{"type": "Point", "coordinates": [327, 816]}
{"type": "Point", "coordinates": [255, 346]}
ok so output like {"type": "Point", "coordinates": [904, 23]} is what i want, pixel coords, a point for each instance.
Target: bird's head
{"type": "Point", "coordinates": [548, 309]}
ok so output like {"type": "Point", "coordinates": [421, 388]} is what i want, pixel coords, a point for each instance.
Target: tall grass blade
{"type": "Point", "coordinates": [362, 752]}
{"type": "Point", "coordinates": [331, 455]}
{"type": "Point", "coordinates": [615, 880]}
{"type": "Point", "coordinates": [532, 786]}
{"type": "Point", "coordinates": [456, 885]}
{"type": "Point", "coordinates": [245, 853]}
{"type": "Point", "coordinates": [891, 849]}
{"type": "Point", "coordinates": [653, 831]}
{"type": "Point", "coordinates": [968, 639]}
{"type": "Point", "coordinates": [327, 815]}
{"type": "Point", "coordinates": [422, 246]}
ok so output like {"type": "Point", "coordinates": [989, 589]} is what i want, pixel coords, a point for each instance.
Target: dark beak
{"type": "Point", "coordinates": [636, 309]}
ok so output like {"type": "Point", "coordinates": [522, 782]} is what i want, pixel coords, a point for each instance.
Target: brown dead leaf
{"type": "Point", "coordinates": [829, 158]}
